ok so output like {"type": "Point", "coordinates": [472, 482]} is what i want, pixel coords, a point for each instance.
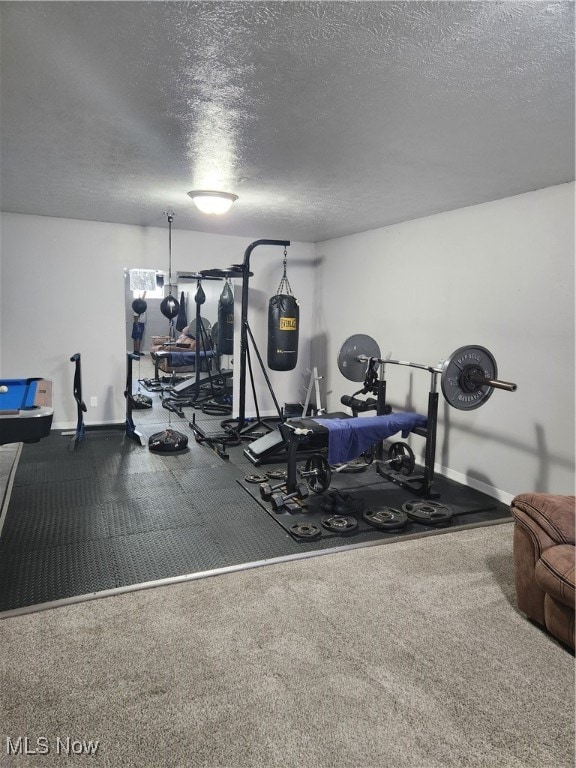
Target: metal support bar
{"type": "Point", "coordinates": [244, 323]}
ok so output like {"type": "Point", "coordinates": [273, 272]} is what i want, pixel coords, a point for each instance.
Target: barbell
{"type": "Point", "coordinates": [468, 377]}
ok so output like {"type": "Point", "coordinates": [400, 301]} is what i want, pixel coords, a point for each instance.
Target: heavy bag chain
{"type": "Point", "coordinates": [284, 288]}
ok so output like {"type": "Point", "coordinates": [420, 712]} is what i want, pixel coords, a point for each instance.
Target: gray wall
{"type": "Point", "coordinates": [63, 291]}
{"type": "Point", "coordinates": [500, 275]}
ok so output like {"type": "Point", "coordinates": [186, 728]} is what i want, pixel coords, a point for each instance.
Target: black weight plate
{"type": "Point", "coordinates": [339, 523]}
{"type": "Point", "coordinates": [387, 519]}
{"type": "Point", "coordinates": [457, 395]}
{"type": "Point", "coordinates": [401, 458]}
{"type": "Point", "coordinates": [428, 512]}
{"type": "Point", "coordinates": [255, 478]}
{"type": "Point", "coordinates": [321, 475]}
{"type": "Point", "coordinates": [354, 346]}
{"type": "Point", "coordinates": [306, 530]}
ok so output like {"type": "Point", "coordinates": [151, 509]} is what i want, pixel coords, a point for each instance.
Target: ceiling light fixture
{"type": "Point", "coordinates": [213, 203]}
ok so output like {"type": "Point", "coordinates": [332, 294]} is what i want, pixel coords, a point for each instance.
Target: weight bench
{"type": "Point", "coordinates": [344, 439]}
{"type": "Point", "coordinates": [181, 362]}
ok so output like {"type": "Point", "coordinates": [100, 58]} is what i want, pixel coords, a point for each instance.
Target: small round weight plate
{"type": "Point", "coordinates": [255, 478]}
{"type": "Point", "coordinates": [306, 530]}
{"type": "Point", "coordinates": [276, 474]}
{"type": "Point", "coordinates": [339, 523]}
{"type": "Point", "coordinates": [387, 519]}
{"type": "Point", "coordinates": [356, 346]}
{"type": "Point", "coordinates": [457, 387]}
{"type": "Point", "coordinates": [317, 473]}
{"type": "Point", "coordinates": [401, 458]}
{"type": "Point", "coordinates": [428, 512]}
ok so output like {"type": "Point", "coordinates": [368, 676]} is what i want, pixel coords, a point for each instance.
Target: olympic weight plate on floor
{"type": "Point", "coordinates": [354, 347]}
{"type": "Point", "coordinates": [339, 523]}
{"type": "Point", "coordinates": [457, 379]}
{"type": "Point", "coordinates": [428, 512]}
{"type": "Point", "coordinates": [387, 519]}
{"type": "Point", "coordinates": [306, 530]}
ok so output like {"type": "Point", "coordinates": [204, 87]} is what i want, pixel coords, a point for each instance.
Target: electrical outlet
{"type": "Point", "coordinates": [93, 402]}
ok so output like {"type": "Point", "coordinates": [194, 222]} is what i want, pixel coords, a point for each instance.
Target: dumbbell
{"type": "Point", "coordinates": [267, 490]}
{"type": "Point", "coordinates": [280, 500]}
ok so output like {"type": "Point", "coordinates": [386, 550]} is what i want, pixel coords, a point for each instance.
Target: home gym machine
{"type": "Point", "coordinates": [468, 378]}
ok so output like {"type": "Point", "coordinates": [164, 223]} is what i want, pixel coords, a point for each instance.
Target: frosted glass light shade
{"type": "Point", "coordinates": [212, 203]}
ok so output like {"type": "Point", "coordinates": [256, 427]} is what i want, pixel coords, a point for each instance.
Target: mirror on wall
{"type": "Point", "coordinates": [152, 286]}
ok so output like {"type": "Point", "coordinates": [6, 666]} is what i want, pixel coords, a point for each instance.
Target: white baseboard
{"type": "Point", "coordinates": [489, 490]}
{"type": "Point", "coordinates": [71, 425]}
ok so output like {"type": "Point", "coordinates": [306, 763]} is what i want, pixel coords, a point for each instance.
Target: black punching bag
{"type": "Point", "coordinates": [225, 339]}
{"type": "Point", "coordinates": [283, 323]}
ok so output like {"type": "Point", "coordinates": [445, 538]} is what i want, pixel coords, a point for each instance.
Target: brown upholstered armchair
{"type": "Point", "coordinates": [544, 561]}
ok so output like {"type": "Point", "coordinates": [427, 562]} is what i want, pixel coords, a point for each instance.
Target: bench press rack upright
{"type": "Point", "coordinates": [419, 483]}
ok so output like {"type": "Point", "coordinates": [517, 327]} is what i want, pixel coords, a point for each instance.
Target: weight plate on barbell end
{"type": "Point", "coordinates": [306, 530]}
{"type": "Point", "coordinates": [387, 519]}
{"type": "Point", "coordinates": [355, 346]}
{"type": "Point", "coordinates": [339, 523]}
{"type": "Point", "coordinates": [428, 512]}
{"type": "Point", "coordinates": [453, 377]}
{"type": "Point", "coordinates": [255, 478]}
{"type": "Point", "coordinates": [317, 473]}
{"type": "Point", "coordinates": [401, 458]}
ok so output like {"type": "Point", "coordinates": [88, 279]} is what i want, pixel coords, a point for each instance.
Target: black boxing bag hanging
{"type": "Point", "coordinates": [225, 339]}
{"type": "Point", "coordinates": [283, 326]}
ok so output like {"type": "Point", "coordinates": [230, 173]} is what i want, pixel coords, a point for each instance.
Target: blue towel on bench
{"type": "Point", "coordinates": [349, 438]}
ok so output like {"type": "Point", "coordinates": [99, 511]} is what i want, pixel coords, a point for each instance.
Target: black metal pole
{"type": "Point", "coordinates": [244, 323]}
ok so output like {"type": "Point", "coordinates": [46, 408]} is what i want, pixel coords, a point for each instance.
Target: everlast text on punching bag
{"type": "Point", "coordinates": [283, 326]}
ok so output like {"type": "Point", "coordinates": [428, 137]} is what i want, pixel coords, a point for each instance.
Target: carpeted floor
{"type": "Point", "coordinates": [411, 655]}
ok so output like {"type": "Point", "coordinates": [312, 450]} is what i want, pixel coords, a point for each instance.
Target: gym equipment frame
{"type": "Point", "coordinates": [467, 377]}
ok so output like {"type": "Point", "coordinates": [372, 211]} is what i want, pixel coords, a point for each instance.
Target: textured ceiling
{"type": "Point", "coordinates": [326, 118]}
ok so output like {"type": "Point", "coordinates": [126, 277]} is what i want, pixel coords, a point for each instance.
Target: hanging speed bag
{"type": "Point", "coordinates": [225, 340]}
{"type": "Point", "coordinates": [283, 322]}
{"type": "Point", "coordinates": [169, 307]}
